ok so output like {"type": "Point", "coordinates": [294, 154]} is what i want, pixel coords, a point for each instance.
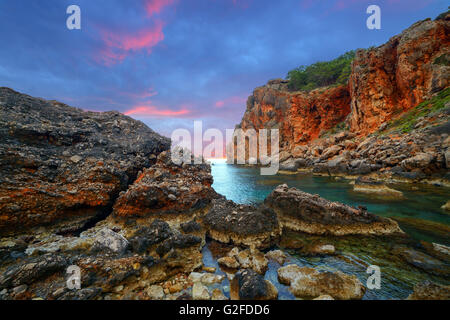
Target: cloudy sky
{"type": "Point", "coordinates": [170, 62]}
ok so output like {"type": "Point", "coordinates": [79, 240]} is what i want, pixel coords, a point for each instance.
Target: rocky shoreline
{"type": "Point", "coordinates": [136, 224]}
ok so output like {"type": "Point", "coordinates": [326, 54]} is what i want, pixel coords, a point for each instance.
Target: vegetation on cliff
{"type": "Point", "coordinates": [321, 74]}
{"type": "Point", "coordinates": [409, 120]}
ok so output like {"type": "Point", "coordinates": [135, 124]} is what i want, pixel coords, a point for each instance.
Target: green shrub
{"type": "Point", "coordinates": [321, 74]}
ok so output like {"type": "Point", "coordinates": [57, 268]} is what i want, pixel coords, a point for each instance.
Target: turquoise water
{"type": "Point", "coordinates": [246, 185]}
{"type": "Point", "coordinates": [420, 205]}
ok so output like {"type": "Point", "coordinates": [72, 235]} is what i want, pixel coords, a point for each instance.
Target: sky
{"type": "Point", "coordinates": [171, 62]}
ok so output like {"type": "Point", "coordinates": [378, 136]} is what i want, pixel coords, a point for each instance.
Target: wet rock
{"type": "Point", "coordinates": [277, 255]}
{"type": "Point", "coordinates": [430, 291]}
{"type": "Point", "coordinates": [241, 224]}
{"type": "Point", "coordinates": [320, 249]}
{"type": "Point", "coordinates": [35, 269]}
{"type": "Point", "coordinates": [421, 260]}
{"type": "Point", "coordinates": [308, 283]}
{"type": "Point", "coordinates": [309, 213]}
{"type": "Point", "coordinates": [107, 239]}
{"type": "Point", "coordinates": [200, 292]}
{"type": "Point", "coordinates": [62, 166]}
{"type": "Point", "coordinates": [249, 285]}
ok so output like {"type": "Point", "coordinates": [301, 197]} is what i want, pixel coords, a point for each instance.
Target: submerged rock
{"type": "Point", "coordinates": [422, 260]}
{"type": "Point", "coordinates": [366, 185]}
{"type": "Point", "coordinates": [308, 283]}
{"type": "Point", "coordinates": [312, 214]}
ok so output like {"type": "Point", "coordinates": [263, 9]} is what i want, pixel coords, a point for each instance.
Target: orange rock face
{"type": "Point", "coordinates": [299, 116]}
{"type": "Point", "coordinates": [398, 75]}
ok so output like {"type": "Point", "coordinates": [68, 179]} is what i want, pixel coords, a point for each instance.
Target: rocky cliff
{"type": "Point", "coordinates": [62, 166]}
{"type": "Point", "coordinates": [385, 82]}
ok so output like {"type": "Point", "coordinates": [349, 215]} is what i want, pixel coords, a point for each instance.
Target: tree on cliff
{"type": "Point", "coordinates": [321, 74]}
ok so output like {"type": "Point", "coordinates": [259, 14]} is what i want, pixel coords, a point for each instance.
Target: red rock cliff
{"type": "Point", "coordinates": [385, 82]}
{"type": "Point", "coordinates": [398, 75]}
{"type": "Point", "coordinates": [299, 116]}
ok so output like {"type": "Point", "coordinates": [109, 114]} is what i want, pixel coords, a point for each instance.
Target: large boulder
{"type": "Point", "coordinates": [61, 166]}
{"type": "Point", "coordinates": [241, 224]}
{"type": "Point", "coordinates": [301, 211]}
{"type": "Point", "coordinates": [167, 191]}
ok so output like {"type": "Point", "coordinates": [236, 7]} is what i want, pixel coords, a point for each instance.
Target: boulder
{"type": "Point", "coordinates": [277, 255]}
{"type": "Point", "coordinates": [107, 239]}
{"type": "Point", "coordinates": [241, 224]}
{"type": "Point", "coordinates": [309, 283]}
{"type": "Point", "coordinates": [249, 285]}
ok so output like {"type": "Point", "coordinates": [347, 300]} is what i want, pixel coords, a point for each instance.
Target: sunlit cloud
{"type": "Point", "coordinates": [235, 100]}
{"type": "Point", "coordinates": [149, 110]}
{"type": "Point", "coordinates": [156, 6]}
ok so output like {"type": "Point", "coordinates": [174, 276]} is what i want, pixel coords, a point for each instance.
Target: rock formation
{"type": "Point", "coordinates": [312, 214]}
{"type": "Point", "coordinates": [61, 166]}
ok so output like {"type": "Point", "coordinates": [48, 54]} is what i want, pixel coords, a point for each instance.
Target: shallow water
{"type": "Point", "coordinates": [355, 254]}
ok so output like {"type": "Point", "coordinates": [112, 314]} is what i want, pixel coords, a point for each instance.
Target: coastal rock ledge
{"type": "Point", "coordinates": [301, 211]}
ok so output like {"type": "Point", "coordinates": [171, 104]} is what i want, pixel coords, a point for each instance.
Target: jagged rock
{"type": "Point", "coordinates": [61, 166]}
{"type": "Point", "coordinates": [249, 285]}
{"type": "Point", "coordinates": [308, 282]}
{"type": "Point", "coordinates": [107, 239]}
{"type": "Point", "coordinates": [430, 291]}
{"type": "Point", "coordinates": [289, 165]}
{"type": "Point", "coordinates": [209, 279]}
{"type": "Point", "coordinates": [384, 81]}
{"type": "Point", "coordinates": [33, 270]}
{"type": "Point", "coordinates": [241, 224]}
{"type": "Point", "coordinates": [308, 213]}
{"type": "Point", "coordinates": [149, 195]}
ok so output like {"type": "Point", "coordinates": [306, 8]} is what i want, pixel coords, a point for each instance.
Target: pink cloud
{"type": "Point", "coordinates": [231, 100]}
{"type": "Point", "coordinates": [119, 45]}
{"type": "Point", "coordinates": [153, 111]}
{"type": "Point", "coordinates": [156, 6]}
